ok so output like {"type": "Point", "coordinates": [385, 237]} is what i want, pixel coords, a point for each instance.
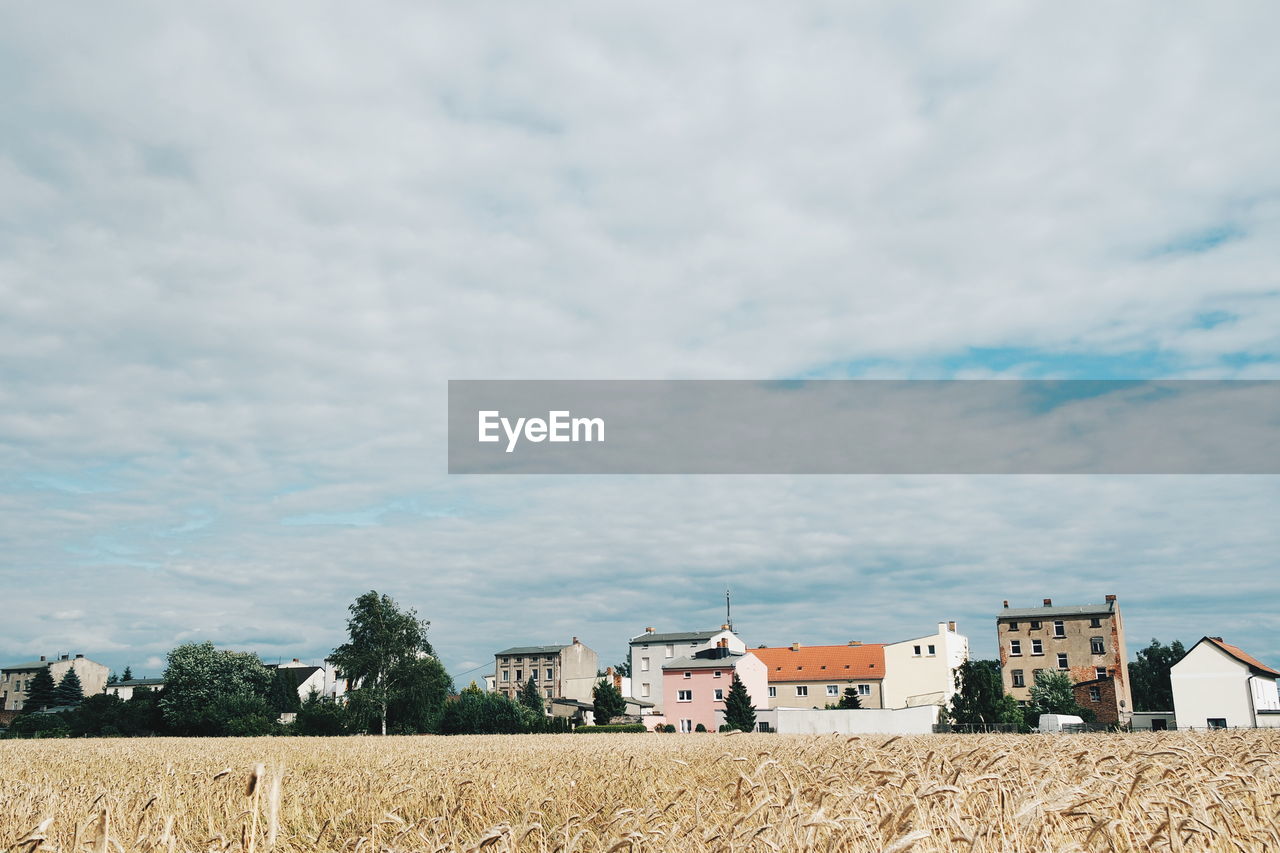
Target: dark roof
{"type": "Point", "coordinates": [33, 664]}
{"type": "Point", "coordinates": [676, 636]}
{"type": "Point", "coordinates": [1055, 610]}
{"type": "Point", "coordinates": [299, 673]}
{"type": "Point", "coordinates": [532, 650]}
{"type": "Point", "coordinates": [728, 662]}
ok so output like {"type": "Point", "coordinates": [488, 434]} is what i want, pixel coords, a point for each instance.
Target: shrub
{"type": "Point", "coordinates": [700, 728]}
{"type": "Point", "coordinates": [627, 728]}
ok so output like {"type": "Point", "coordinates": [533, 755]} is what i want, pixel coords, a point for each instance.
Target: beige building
{"type": "Point", "coordinates": [1086, 641]}
{"type": "Point", "coordinates": [560, 672]}
{"type": "Point", "coordinates": [922, 670]}
{"type": "Point", "coordinates": [816, 676]}
{"type": "Point", "coordinates": [15, 679]}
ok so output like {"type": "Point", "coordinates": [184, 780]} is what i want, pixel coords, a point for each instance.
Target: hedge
{"type": "Point", "coordinates": [628, 728]}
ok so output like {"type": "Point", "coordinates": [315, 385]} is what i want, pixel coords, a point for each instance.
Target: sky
{"type": "Point", "coordinates": [242, 251]}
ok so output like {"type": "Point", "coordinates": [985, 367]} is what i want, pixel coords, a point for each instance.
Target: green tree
{"type": "Point", "coordinates": [979, 694]}
{"type": "Point", "coordinates": [481, 713]}
{"type": "Point", "coordinates": [422, 686]}
{"type": "Point", "coordinates": [1053, 694]}
{"type": "Point", "coordinates": [739, 713]}
{"type": "Point", "coordinates": [40, 692]}
{"type": "Point", "coordinates": [204, 688]}
{"type": "Point", "coordinates": [531, 698]}
{"type": "Point", "coordinates": [849, 700]}
{"type": "Point", "coordinates": [607, 702]}
{"type": "Point", "coordinates": [112, 678]}
{"type": "Point", "coordinates": [1149, 676]}
{"type": "Point", "coordinates": [623, 669]}
{"type": "Point", "coordinates": [382, 639]}
{"type": "Point", "coordinates": [127, 675]}
{"type": "Point", "coordinates": [320, 716]}
{"type": "Point", "coordinates": [283, 697]}
{"type": "Point", "coordinates": [69, 690]}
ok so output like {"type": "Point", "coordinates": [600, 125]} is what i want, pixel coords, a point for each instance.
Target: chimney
{"type": "Point", "coordinates": [648, 630]}
{"type": "Point", "coordinates": [1048, 602]}
{"type": "Point", "coordinates": [66, 657]}
{"type": "Point", "coordinates": [855, 642]}
{"type": "Point", "coordinates": [1219, 639]}
{"type": "Point", "coordinates": [951, 626]}
{"type": "Point", "coordinates": [575, 641]}
{"type": "Point", "coordinates": [295, 660]}
{"type": "Point", "coordinates": [41, 658]}
{"type": "Point", "coordinates": [79, 657]}
{"type": "Point", "coordinates": [1006, 603]}
{"type": "Point", "coordinates": [1111, 599]}
{"type": "Point", "coordinates": [724, 627]}
{"type": "Point", "coordinates": [795, 647]}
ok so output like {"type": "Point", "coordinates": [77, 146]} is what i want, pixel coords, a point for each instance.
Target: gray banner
{"type": "Point", "coordinates": [864, 427]}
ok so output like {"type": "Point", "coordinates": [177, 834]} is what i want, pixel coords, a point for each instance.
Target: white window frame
{"type": "Point", "coordinates": [802, 690]}
{"type": "Point", "coordinates": [864, 689]}
{"type": "Point", "coordinates": [773, 692]}
{"type": "Point", "coordinates": [833, 690]}
{"type": "Point", "coordinates": [684, 695]}
{"type": "Point", "coordinates": [719, 694]}
{"type": "Point", "coordinates": [1015, 648]}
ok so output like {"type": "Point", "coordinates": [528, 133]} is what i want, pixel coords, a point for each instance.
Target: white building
{"type": "Point", "coordinates": [651, 650]}
{"type": "Point", "coordinates": [922, 670]}
{"type": "Point", "coordinates": [306, 677]}
{"type": "Point", "coordinates": [126, 689]}
{"type": "Point", "coordinates": [1217, 685]}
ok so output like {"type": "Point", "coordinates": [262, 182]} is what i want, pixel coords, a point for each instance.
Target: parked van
{"type": "Point", "coordinates": [1056, 722]}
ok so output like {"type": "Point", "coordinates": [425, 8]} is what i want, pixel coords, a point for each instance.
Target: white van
{"type": "Point", "coordinates": [1055, 722]}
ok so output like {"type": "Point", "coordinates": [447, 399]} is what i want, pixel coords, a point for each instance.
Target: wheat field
{"type": "Point", "coordinates": [1167, 791]}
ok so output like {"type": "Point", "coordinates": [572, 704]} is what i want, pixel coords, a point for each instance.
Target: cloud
{"type": "Point", "coordinates": [242, 250]}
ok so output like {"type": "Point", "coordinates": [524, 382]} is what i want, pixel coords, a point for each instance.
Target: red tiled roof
{"type": "Point", "coordinates": [1240, 655]}
{"type": "Point", "coordinates": [824, 663]}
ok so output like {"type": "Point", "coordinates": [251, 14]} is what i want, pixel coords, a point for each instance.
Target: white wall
{"type": "Point", "coordinates": [903, 721]}
{"type": "Point", "coordinates": [1209, 683]}
{"type": "Point", "coordinates": [911, 680]}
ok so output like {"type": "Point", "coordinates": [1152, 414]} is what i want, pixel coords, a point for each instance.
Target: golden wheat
{"type": "Point", "coordinates": [1168, 791]}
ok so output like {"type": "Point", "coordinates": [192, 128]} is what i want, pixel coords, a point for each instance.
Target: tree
{"type": "Point", "coordinates": [623, 669]}
{"type": "Point", "coordinates": [204, 686]}
{"type": "Point", "coordinates": [283, 697]}
{"type": "Point", "coordinates": [1053, 694]}
{"type": "Point", "coordinates": [40, 692]}
{"type": "Point", "coordinates": [422, 686]}
{"type": "Point", "coordinates": [69, 690]}
{"type": "Point", "coordinates": [531, 698]}
{"type": "Point", "coordinates": [382, 639]}
{"type": "Point", "coordinates": [849, 700]}
{"type": "Point", "coordinates": [112, 678]}
{"type": "Point", "coordinates": [739, 713]}
{"type": "Point", "coordinates": [607, 701]}
{"type": "Point", "coordinates": [1149, 676]}
{"type": "Point", "coordinates": [127, 675]}
{"type": "Point", "coordinates": [481, 713]}
{"type": "Point", "coordinates": [320, 716]}
{"type": "Point", "coordinates": [979, 694]}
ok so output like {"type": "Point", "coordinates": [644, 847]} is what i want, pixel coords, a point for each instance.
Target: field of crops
{"type": "Point", "coordinates": [1167, 791]}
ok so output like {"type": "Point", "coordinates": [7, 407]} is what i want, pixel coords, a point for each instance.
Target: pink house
{"type": "Point", "coordinates": [694, 688]}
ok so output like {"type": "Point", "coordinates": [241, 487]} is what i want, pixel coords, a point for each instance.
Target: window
{"type": "Point", "coordinates": [1015, 647]}
{"type": "Point", "coordinates": [533, 674]}
{"type": "Point", "coordinates": [1100, 671]}
{"type": "Point", "coordinates": [1096, 646]}
{"type": "Point", "coordinates": [763, 727]}
{"type": "Point", "coordinates": [915, 650]}
{"type": "Point", "coordinates": [506, 675]}
{"type": "Point", "coordinates": [1019, 680]}
{"type": "Point", "coordinates": [519, 675]}
{"type": "Point", "coordinates": [1095, 622]}
{"type": "Point", "coordinates": [1062, 660]}
{"type": "Point", "coordinates": [644, 664]}
{"type": "Point", "coordinates": [802, 690]}
{"type": "Point", "coordinates": [1013, 626]}
{"type": "Point", "coordinates": [773, 693]}
{"type": "Point", "coordinates": [684, 695]}
{"type": "Point", "coordinates": [671, 651]}
{"type": "Point", "coordinates": [1059, 628]}
{"type": "Point", "coordinates": [1217, 722]}
{"type": "Point", "coordinates": [1035, 624]}
{"type": "Point", "coordinates": [644, 689]}
{"type": "Point", "coordinates": [1095, 694]}
{"type": "Point", "coordinates": [688, 675]}
{"type": "Point", "coordinates": [864, 689]}
{"type": "Point", "coordinates": [933, 650]}
{"type": "Point", "coordinates": [719, 694]}
{"type": "Point", "coordinates": [1037, 647]}
{"type": "Point", "coordinates": [716, 674]}
{"type": "Point", "coordinates": [832, 690]}
{"type": "Point", "coordinates": [550, 675]}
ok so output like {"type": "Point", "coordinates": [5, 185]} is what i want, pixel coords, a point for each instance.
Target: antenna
{"type": "Point", "coordinates": [728, 613]}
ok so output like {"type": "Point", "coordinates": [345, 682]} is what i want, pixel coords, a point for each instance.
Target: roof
{"type": "Point", "coordinates": [823, 663]}
{"type": "Point", "coordinates": [1055, 610]}
{"type": "Point", "coordinates": [299, 674]}
{"type": "Point", "coordinates": [729, 661]}
{"type": "Point", "coordinates": [677, 636]}
{"type": "Point", "coordinates": [139, 682]}
{"type": "Point", "coordinates": [532, 650]}
{"type": "Point", "coordinates": [1258, 667]}
{"type": "Point", "coordinates": [33, 664]}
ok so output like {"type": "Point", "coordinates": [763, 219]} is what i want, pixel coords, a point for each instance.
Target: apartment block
{"type": "Point", "coordinates": [559, 671]}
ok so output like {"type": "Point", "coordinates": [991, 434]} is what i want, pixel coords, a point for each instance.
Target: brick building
{"type": "Point", "coordinates": [1086, 641]}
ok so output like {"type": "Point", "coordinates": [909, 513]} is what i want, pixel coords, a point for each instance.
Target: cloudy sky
{"type": "Point", "coordinates": [242, 251]}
